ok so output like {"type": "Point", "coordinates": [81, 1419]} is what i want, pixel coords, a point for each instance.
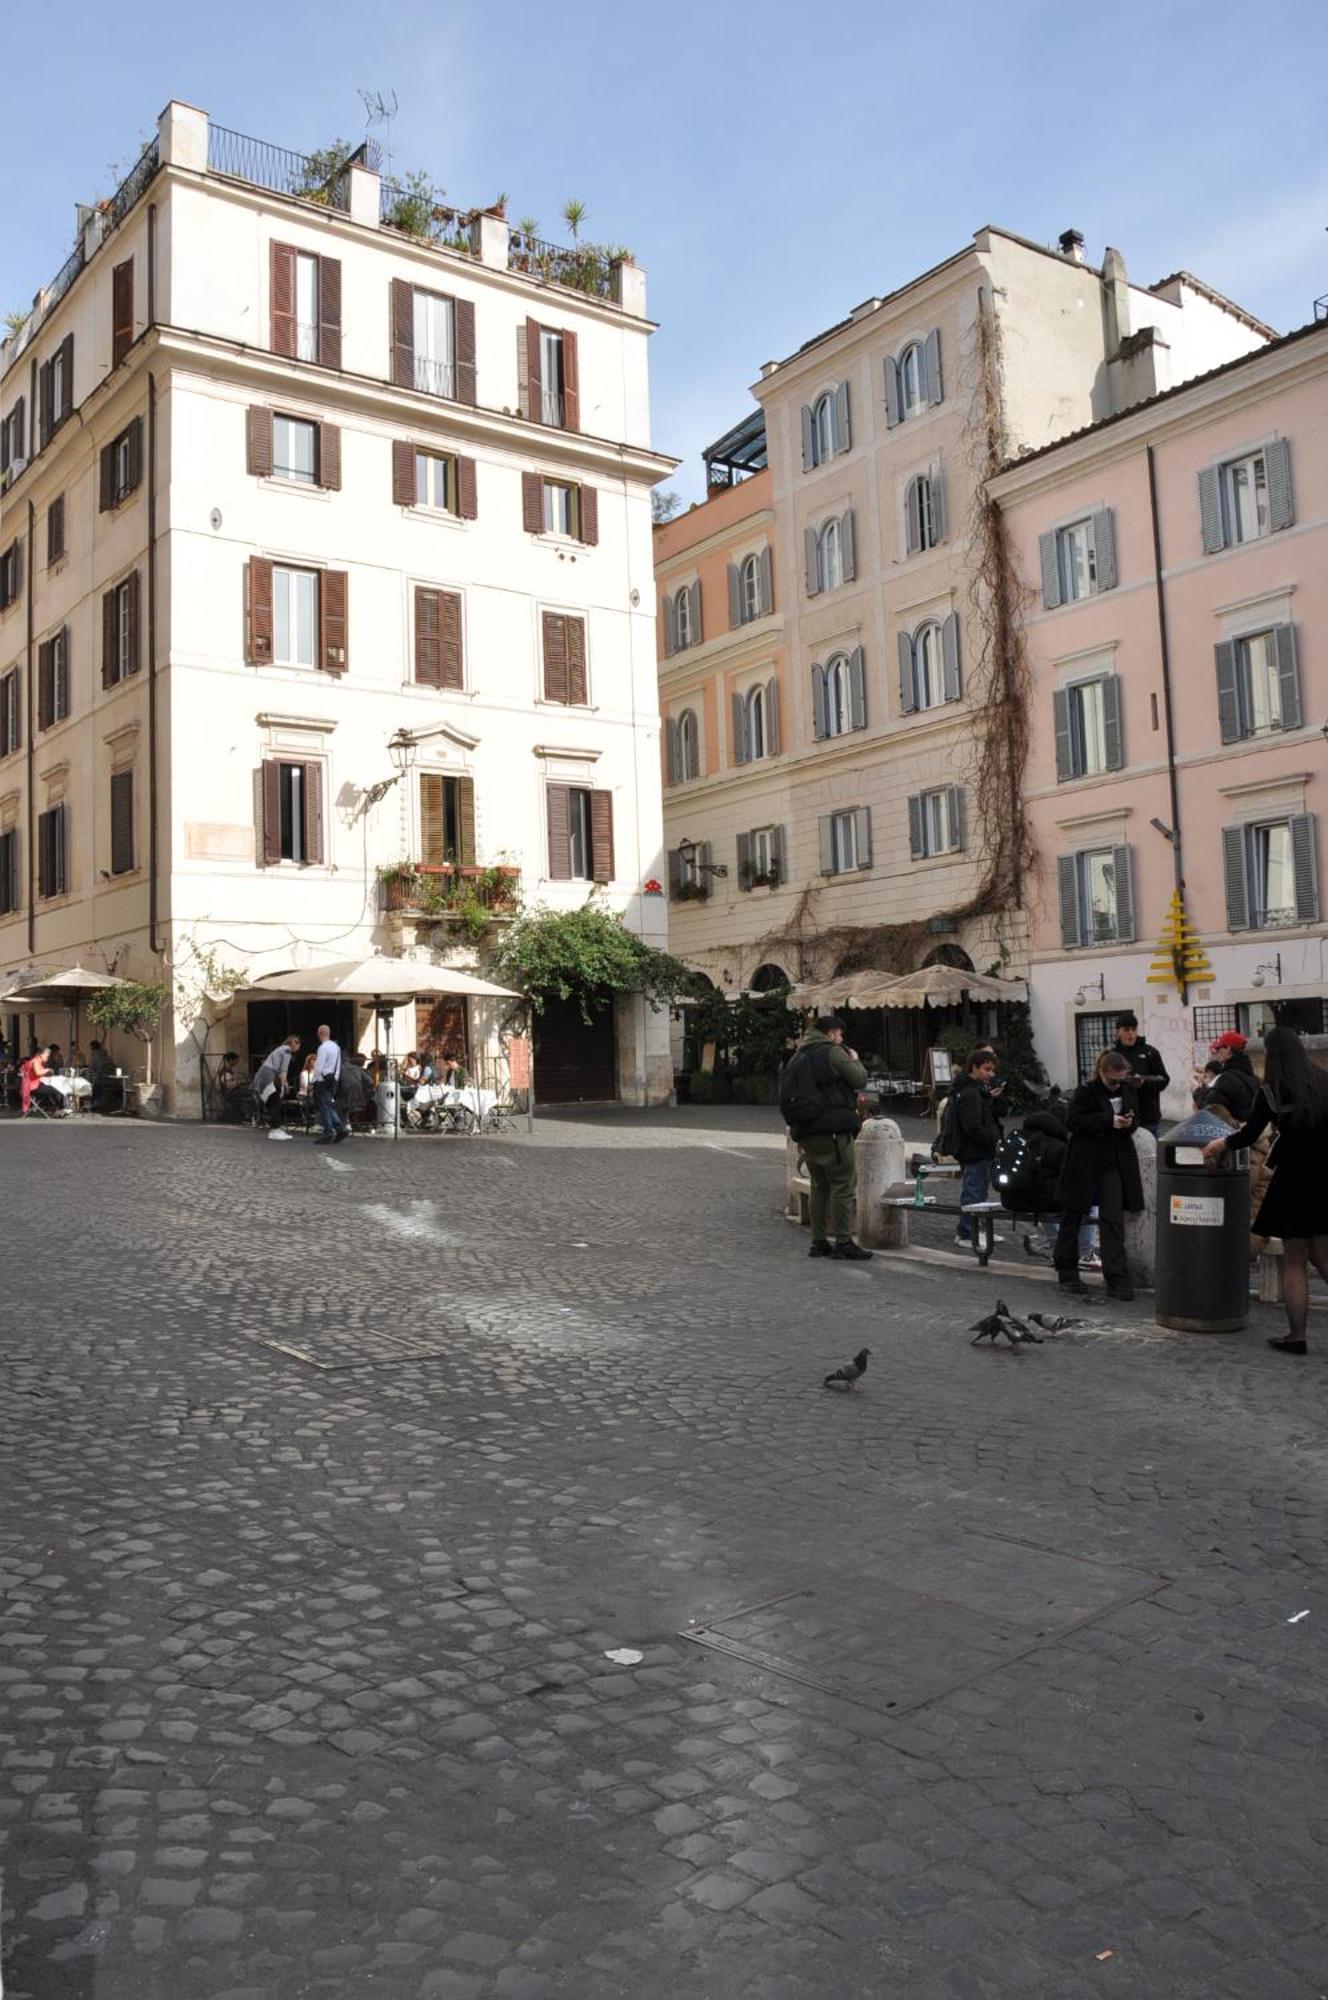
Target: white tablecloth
{"type": "Point", "coordinates": [69, 1086]}
{"type": "Point", "coordinates": [479, 1101]}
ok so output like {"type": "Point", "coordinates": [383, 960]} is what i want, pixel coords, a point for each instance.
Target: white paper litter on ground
{"type": "Point", "coordinates": [1296, 1617]}
{"type": "Point", "coordinates": [278, 1135]}
{"type": "Point", "coordinates": [624, 1656]}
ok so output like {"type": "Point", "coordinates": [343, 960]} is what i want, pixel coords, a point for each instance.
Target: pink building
{"type": "Point", "coordinates": [1175, 567]}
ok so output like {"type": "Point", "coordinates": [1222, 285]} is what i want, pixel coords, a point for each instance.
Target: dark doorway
{"type": "Point", "coordinates": [270, 1021]}
{"type": "Point", "coordinates": [575, 1063]}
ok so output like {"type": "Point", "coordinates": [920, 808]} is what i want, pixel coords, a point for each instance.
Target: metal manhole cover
{"type": "Point", "coordinates": [324, 1349]}
{"type": "Point", "coordinates": [934, 1614]}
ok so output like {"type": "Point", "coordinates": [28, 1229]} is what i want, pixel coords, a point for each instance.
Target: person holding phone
{"type": "Point", "coordinates": [1101, 1170]}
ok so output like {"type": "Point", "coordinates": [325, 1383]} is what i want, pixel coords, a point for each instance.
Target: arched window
{"type": "Point", "coordinates": [912, 379]}
{"type": "Point", "coordinates": [838, 696]}
{"type": "Point", "coordinates": [928, 666]}
{"type": "Point", "coordinates": [756, 722]}
{"type": "Point", "coordinates": [830, 556]}
{"type": "Point", "coordinates": [924, 513]}
{"type": "Point", "coordinates": [823, 429]}
{"type": "Point", "coordinates": [689, 746]}
{"type": "Point", "coordinates": [682, 620]}
{"type": "Point", "coordinates": [750, 580]}
{"type": "Point", "coordinates": [769, 978]}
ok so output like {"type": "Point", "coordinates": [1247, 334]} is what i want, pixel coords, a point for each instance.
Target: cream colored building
{"type": "Point", "coordinates": [287, 483]}
{"type": "Point", "coordinates": [878, 434]}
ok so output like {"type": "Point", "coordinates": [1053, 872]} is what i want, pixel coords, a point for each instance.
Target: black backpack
{"type": "Point", "coordinates": [947, 1139]}
{"type": "Point", "coordinates": [1015, 1170]}
{"type": "Point", "coordinates": [809, 1090]}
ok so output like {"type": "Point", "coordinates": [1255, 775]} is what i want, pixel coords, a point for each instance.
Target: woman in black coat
{"type": "Point", "coordinates": [1101, 1170]}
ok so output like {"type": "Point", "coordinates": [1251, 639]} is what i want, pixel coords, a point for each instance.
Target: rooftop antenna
{"type": "Point", "coordinates": [380, 108]}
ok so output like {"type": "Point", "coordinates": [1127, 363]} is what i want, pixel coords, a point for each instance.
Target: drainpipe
{"type": "Point", "coordinates": [1165, 650]}
{"type": "Point", "coordinates": [154, 943]}
{"type": "Point", "coordinates": [31, 719]}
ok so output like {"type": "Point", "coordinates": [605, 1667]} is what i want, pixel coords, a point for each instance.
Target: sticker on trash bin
{"type": "Point", "coordinates": [1198, 1211]}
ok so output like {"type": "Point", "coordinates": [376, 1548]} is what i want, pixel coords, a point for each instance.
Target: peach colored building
{"type": "Point", "coordinates": [1175, 560]}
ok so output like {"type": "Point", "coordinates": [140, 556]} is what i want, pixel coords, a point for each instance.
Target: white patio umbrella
{"type": "Point", "coordinates": [62, 989]}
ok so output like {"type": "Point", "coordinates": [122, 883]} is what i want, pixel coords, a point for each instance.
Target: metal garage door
{"type": "Point", "coordinates": [575, 1063]}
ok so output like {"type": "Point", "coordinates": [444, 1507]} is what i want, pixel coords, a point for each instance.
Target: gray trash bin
{"type": "Point", "coordinates": [1201, 1282]}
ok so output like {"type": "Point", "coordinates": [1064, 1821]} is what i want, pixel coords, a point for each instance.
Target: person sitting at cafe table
{"type": "Point", "coordinates": [452, 1070]}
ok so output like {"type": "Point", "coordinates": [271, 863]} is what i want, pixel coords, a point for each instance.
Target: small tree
{"type": "Point", "coordinates": [574, 214]}
{"type": "Point", "coordinates": [132, 1008]}
{"type": "Point", "coordinates": [588, 955]}
{"type": "Point", "coordinates": [664, 504]}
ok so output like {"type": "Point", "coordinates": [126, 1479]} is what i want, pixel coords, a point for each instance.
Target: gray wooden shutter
{"type": "Point", "coordinates": [820, 725]}
{"type": "Point", "coordinates": [1051, 571]}
{"type": "Point", "coordinates": [938, 522]}
{"type": "Point", "coordinates": [1277, 466]}
{"type": "Point", "coordinates": [1304, 864]}
{"type": "Point", "coordinates": [744, 861]}
{"type": "Point", "coordinates": [913, 517]}
{"type": "Point", "coordinates": [893, 398]}
{"type": "Point", "coordinates": [1236, 879]}
{"type": "Point", "coordinates": [810, 562]}
{"type": "Point", "coordinates": [843, 428]}
{"type": "Point", "coordinates": [917, 837]}
{"type": "Point", "coordinates": [1123, 867]}
{"type": "Point", "coordinates": [1060, 709]}
{"type": "Point", "coordinates": [955, 810]}
{"type": "Point", "coordinates": [1113, 735]}
{"type": "Point", "coordinates": [863, 833]}
{"type": "Point", "coordinates": [848, 545]}
{"type": "Point", "coordinates": [735, 597]}
{"type": "Point", "coordinates": [1228, 690]}
{"type": "Point", "coordinates": [932, 358]}
{"type": "Point", "coordinates": [258, 440]}
{"type": "Point", "coordinates": [857, 689]}
{"type": "Point", "coordinates": [674, 863]}
{"type": "Point", "coordinates": [672, 749]}
{"type": "Point", "coordinates": [670, 632]}
{"type": "Point", "coordinates": [106, 480]}
{"type": "Point", "coordinates": [1067, 873]}
{"type": "Point", "coordinates": [953, 680]}
{"type": "Point", "coordinates": [826, 839]}
{"type": "Point", "coordinates": [908, 694]}
{"type": "Point", "coordinates": [772, 739]}
{"type": "Point", "coordinates": [767, 581]}
{"type": "Point", "coordinates": [778, 844]}
{"type": "Point", "coordinates": [698, 629]}
{"type": "Point", "coordinates": [133, 621]}
{"type": "Point", "coordinates": [1210, 510]}
{"type": "Point", "coordinates": [1104, 548]}
{"type": "Point", "coordinates": [1288, 675]}
{"type": "Point", "coordinates": [741, 748]}
{"type": "Point", "coordinates": [808, 439]}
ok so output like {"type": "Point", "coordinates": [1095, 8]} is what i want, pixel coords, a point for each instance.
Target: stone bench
{"type": "Point", "coordinates": [1272, 1291]}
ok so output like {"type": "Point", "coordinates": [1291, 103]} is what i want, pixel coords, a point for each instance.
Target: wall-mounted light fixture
{"type": "Point", "coordinates": [401, 749]}
{"type": "Point", "coordinates": [1167, 832]}
{"type": "Point", "coordinates": [1100, 984]}
{"type": "Point", "coordinates": [1273, 965]}
{"type": "Point", "coordinates": [687, 851]}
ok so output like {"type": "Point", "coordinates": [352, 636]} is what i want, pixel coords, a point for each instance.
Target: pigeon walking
{"type": "Point", "coordinates": [1055, 1322]}
{"type": "Point", "coordinates": [1002, 1323]}
{"type": "Point", "coordinates": [851, 1373]}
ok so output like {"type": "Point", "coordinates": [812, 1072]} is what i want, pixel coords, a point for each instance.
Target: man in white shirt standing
{"type": "Point", "coordinates": [327, 1073]}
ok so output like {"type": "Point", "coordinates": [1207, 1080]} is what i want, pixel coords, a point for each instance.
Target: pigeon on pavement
{"type": "Point", "coordinates": [1003, 1321]}
{"type": "Point", "coordinates": [851, 1373]}
{"type": "Point", "coordinates": [1055, 1322]}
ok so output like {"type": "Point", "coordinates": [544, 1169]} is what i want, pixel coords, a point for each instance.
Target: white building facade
{"type": "Point", "coordinates": [330, 488]}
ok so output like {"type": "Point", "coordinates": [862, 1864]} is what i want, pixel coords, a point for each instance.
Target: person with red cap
{"type": "Point", "coordinates": [1236, 1086]}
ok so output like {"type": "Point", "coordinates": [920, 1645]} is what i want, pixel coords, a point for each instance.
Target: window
{"type": "Point", "coordinates": [823, 429]}
{"type": "Point", "coordinates": [121, 466]}
{"type": "Point", "coordinates": [936, 823]}
{"type": "Point", "coordinates": [52, 852]}
{"type": "Point", "coordinates": [565, 659]}
{"type": "Point", "coordinates": [119, 631]}
{"type": "Point", "coordinates": [438, 655]}
{"type": "Point", "coordinates": [559, 508]}
{"type": "Point", "coordinates": [1246, 498]}
{"type": "Point", "coordinates": [555, 507]}
{"type": "Point", "coordinates": [53, 679]}
{"type": "Point", "coordinates": [62, 381]}
{"type": "Point", "coordinates": [435, 481]}
{"type": "Point", "coordinates": [924, 513]}
{"type": "Point", "coordinates": [830, 556]}
{"type": "Point", "coordinates": [8, 872]}
{"type": "Point", "coordinates": [11, 713]}
{"type": "Point", "coordinates": [839, 695]}
{"type": "Point", "coordinates": [1089, 738]}
{"type": "Point", "coordinates": [447, 820]}
{"type": "Point", "coordinates": [11, 574]}
{"type": "Point", "coordinates": [580, 834]}
{"type": "Point", "coordinates": [55, 531]}
{"type": "Point", "coordinates": [122, 311]}
{"type": "Point", "coordinates": [682, 621]}
{"type": "Point", "coordinates": [295, 617]}
{"type": "Point", "coordinates": [761, 858]}
{"type": "Point", "coordinates": [684, 747]}
{"type": "Point", "coordinates": [1096, 897]}
{"type": "Point", "coordinates": [750, 581]}
{"type": "Point", "coordinates": [122, 822]}
{"type": "Point", "coordinates": [306, 307]}
{"type": "Point", "coordinates": [548, 388]}
{"type": "Point", "coordinates": [845, 839]}
{"type": "Point", "coordinates": [1078, 560]}
{"type": "Point", "coordinates": [929, 664]}
{"type": "Point", "coordinates": [435, 344]}
{"type": "Point", "coordinates": [305, 300]}
{"type": "Point", "coordinates": [551, 376]}
{"type": "Point", "coordinates": [295, 450]}
{"type": "Point", "coordinates": [13, 441]}
{"type": "Point", "coordinates": [1271, 870]}
{"type": "Point", "coordinates": [292, 812]}
{"type": "Point", "coordinates": [756, 722]}
{"type": "Point", "coordinates": [1258, 684]}
{"type": "Point", "coordinates": [756, 733]}
{"type": "Point", "coordinates": [928, 674]}
{"type": "Point", "coordinates": [912, 379]}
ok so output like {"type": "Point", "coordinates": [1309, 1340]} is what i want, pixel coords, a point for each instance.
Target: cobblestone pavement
{"type": "Point", "coordinates": [334, 1482]}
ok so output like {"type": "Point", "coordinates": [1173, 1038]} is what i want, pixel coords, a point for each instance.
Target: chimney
{"type": "Point", "coordinates": [1072, 245]}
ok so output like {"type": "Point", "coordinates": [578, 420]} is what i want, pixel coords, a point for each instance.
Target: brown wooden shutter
{"type": "Point", "coordinates": [334, 592]}
{"type": "Point", "coordinates": [403, 334]}
{"type": "Point", "coordinates": [109, 665]}
{"type": "Point", "coordinates": [571, 385]}
{"type": "Point", "coordinates": [403, 473]}
{"type": "Point", "coordinates": [122, 311]}
{"type": "Point", "coordinates": [466, 496]}
{"type": "Point", "coordinates": [258, 611]}
{"type": "Point", "coordinates": [532, 503]}
{"type": "Point", "coordinates": [534, 380]}
{"type": "Point", "coordinates": [122, 822]}
{"type": "Point", "coordinates": [555, 656]}
{"type": "Point", "coordinates": [428, 649]}
{"type": "Point", "coordinates": [601, 836]}
{"type": "Point", "coordinates": [312, 791]}
{"type": "Point", "coordinates": [283, 299]}
{"type": "Point", "coordinates": [258, 442]}
{"type": "Point", "coordinates": [329, 457]}
{"type": "Point", "coordinates": [45, 684]}
{"type": "Point", "coordinates": [576, 661]}
{"type": "Point", "coordinates": [560, 835]}
{"type": "Point", "coordinates": [452, 673]}
{"type": "Point", "coordinates": [55, 530]}
{"type": "Point", "coordinates": [432, 821]}
{"type": "Point", "coordinates": [466, 821]}
{"type": "Point", "coordinates": [66, 348]}
{"type": "Point", "coordinates": [465, 350]}
{"type": "Point", "coordinates": [131, 616]}
{"type": "Point", "coordinates": [106, 497]}
{"type": "Point", "coordinates": [271, 794]}
{"type": "Point", "coordinates": [135, 471]}
{"type": "Point", "coordinates": [588, 509]}
{"type": "Point", "coordinates": [329, 312]}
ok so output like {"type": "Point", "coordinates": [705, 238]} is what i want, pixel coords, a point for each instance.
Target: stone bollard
{"type": "Point", "coordinates": [1141, 1230]}
{"type": "Point", "coordinates": [880, 1167]}
{"type": "Point", "coordinates": [795, 1180]}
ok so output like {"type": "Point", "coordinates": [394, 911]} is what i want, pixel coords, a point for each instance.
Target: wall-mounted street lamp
{"type": "Point", "coordinates": [1099, 984]}
{"type": "Point", "coordinates": [1274, 965]}
{"type": "Point", "coordinates": [401, 749]}
{"type": "Point", "coordinates": [687, 852]}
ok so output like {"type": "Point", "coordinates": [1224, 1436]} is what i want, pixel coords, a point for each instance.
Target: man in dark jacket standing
{"type": "Point", "coordinates": [1235, 1086]}
{"type": "Point", "coordinates": [1150, 1073]}
{"type": "Point", "coordinates": [1101, 1170]}
{"type": "Point", "coordinates": [819, 1097]}
{"type": "Point", "coordinates": [979, 1135]}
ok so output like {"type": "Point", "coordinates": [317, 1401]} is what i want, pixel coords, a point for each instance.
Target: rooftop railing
{"type": "Point", "coordinates": [581, 267]}
{"type": "Point", "coordinates": [316, 177]}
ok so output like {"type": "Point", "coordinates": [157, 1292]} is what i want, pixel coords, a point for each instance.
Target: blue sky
{"type": "Point", "coordinates": [769, 165]}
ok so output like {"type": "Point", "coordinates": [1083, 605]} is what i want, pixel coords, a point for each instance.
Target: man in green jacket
{"type": "Point", "coordinates": [819, 1100]}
